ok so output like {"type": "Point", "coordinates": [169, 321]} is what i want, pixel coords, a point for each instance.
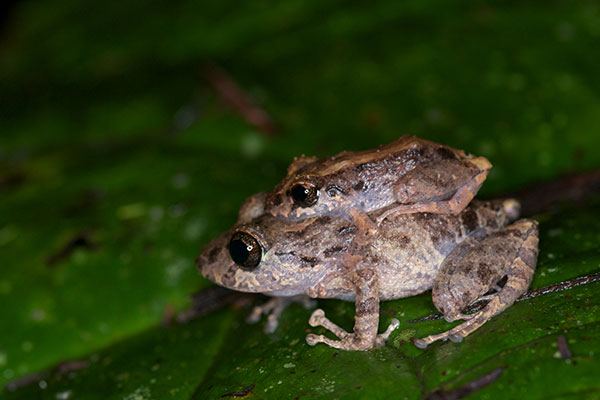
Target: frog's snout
{"type": "Point", "coordinates": [274, 200]}
{"type": "Point", "coordinates": [278, 206]}
{"type": "Point", "coordinates": [208, 260]}
{"type": "Point", "coordinates": [201, 264]}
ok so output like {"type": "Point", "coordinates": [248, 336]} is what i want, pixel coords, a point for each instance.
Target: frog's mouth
{"type": "Point", "coordinates": [215, 266]}
{"type": "Point", "coordinates": [290, 211]}
{"type": "Point", "coordinates": [246, 259]}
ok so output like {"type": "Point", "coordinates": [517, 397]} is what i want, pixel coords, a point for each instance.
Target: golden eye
{"type": "Point", "coordinates": [304, 194]}
{"type": "Point", "coordinates": [245, 250]}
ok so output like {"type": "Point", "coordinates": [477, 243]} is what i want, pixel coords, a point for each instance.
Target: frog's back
{"type": "Point", "coordinates": [371, 174]}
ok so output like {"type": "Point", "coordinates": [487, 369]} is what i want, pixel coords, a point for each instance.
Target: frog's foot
{"type": "Point", "coordinates": [274, 308]}
{"type": "Point", "coordinates": [474, 321]}
{"type": "Point", "coordinates": [348, 341]}
{"type": "Point", "coordinates": [519, 275]}
{"type": "Point", "coordinates": [457, 333]}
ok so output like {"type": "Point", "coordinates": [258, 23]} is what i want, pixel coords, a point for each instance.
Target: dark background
{"type": "Point", "coordinates": [121, 155]}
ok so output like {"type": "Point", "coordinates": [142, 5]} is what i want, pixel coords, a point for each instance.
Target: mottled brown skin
{"type": "Point", "coordinates": [461, 257]}
{"type": "Point", "coordinates": [254, 206]}
{"type": "Point", "coordinates": [414, 175]}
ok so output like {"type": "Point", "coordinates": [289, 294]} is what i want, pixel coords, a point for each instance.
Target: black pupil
{"type": "Point", "coordinates": [245, 250]}
{"type": "Point", "coordinates": [238, 251]}
{"type": "Point", "coordinates": [300, 193]}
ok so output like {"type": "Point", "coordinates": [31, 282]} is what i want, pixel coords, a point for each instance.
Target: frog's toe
{"type": "Point", "coordinates": [253, 318]}
{"type": "Point", "coordinates": [313, 339]}
{"type": "Point", "coordinates": [272, 323]}
{"type": "Point", "coordinates": [456, 317]}
{"type": "Point", "coordinates": [316, 318]}
{"type": "Point", "coordinates": [512, 208]}
{"type": "Point", "coordinates": [456, 338]}
{"type": "Point", "coordinates": [350, 342]}
{"type": "Point", "coordinates": [420, 343]}
{"type": "Point", "coordinates": [450, 318]}
{"type": "Point", "coordinates": [391, 327]}
{"type": "Point", "coordinates": [257, 312]}
{"type": "Point", "coordinates": [383, 337]}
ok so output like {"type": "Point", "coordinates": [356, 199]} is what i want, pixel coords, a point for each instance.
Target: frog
{"type": "Point", "coordinates": [414, 174]}
{"type": "Point", "coordinates": [462, 258]}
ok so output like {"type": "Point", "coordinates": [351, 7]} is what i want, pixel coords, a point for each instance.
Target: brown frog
{"type": "Point", "coordinates": [461, 257]}
{"type": "Point", "coordinates": [414, 175]}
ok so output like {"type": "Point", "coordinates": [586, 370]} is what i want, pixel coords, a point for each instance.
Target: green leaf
{"type": "Point", "coordinates": [117, 164]}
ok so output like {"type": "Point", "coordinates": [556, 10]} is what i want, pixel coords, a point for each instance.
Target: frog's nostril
{"type": "Point", "coordinates": [275, 200]}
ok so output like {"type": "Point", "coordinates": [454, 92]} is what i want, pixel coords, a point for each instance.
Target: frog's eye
{"type": "Point", "coordinates": [245, 250]}
{"type": "Point", "coordinates": [304, 194]}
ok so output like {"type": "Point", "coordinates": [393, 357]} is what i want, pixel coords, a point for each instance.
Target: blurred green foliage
{"type": "Point", "coordinates": [112, 140]}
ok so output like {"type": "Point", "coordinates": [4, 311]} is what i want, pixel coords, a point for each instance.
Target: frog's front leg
{"type": "Point", "coordinates": [366, 318]}
{"type": "Point", "coordinates": [445, 187]}
{"type": "Point", "coordinates": [476, 266]}
{"type": "Point", "coordinates": [274, 308]}
{"type": "Point", "coordinates": [366, 228]}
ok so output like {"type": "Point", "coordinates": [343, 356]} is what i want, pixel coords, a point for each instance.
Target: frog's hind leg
{"type": "Point", "coordinates": [476, 266]}
{"type": "Point", "coordinates": [366, 319]}
{"type": "Point", "coordinates": [441, 188]}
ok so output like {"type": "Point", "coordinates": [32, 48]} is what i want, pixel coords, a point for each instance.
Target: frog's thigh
{"type": "Point", "coordinates": [417, 190]}
{"type": "Point", "coordinates": [366, 319]}
{"type": "Point", "coordinates": [514, 249]}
